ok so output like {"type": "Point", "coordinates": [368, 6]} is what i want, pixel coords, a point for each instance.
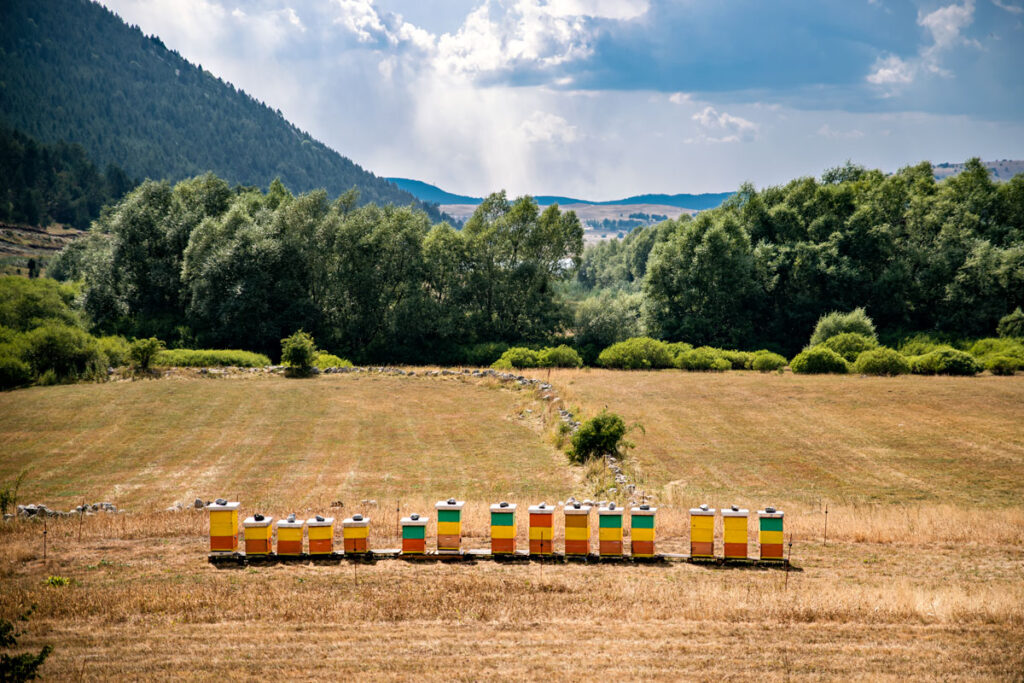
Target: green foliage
{"type": "Point", "coordinates": [1011, 347]}
{"type": "Point", "coordinates": [920, 344]}
{"type": "Point", "coordinates": [26, 304]}
{"type": "Point", "coordinates": [766, 361]}
{"type": "Point", "coordinates": [560, 356]}
{"type": "Point", "coordinates": [141, 352]}
{"type": "Point", "coordinates": [836, 323]}
{"type": "Point", "coordinates": [819, 360]}
{"type": "Point", "coordinates": [517, 357]}
{"type": "Point", "coordinates": [850, 345]}
{"type": "Point", "coordinates": [21, 667]}
{"type": "Point", "coordinates": [1003, 365]}
{"type": "Point", "coordinates": [605, 319]}
{"type": "Point", "coordinates": [14, 372]}
{"type": "Point", "coordinates": [637, 353]}
{"type": "Point", "coordinates": [327, 360]}
{"type": "Point", "coordinates": [69, 353]}
{"type": "Point", "coordinates": [298, 351]}
{"type": "Point", "coordinates": [945, 362]}
{"type": "Point", "coordinates": [739, 360]}
{"type": "Point", "coordinates": [57, 581]}
{"type": "Point", "coordinates": [9, 494]}
{"type": "Point", "coordinates": [209, 358]}
{"type": "Point", "coordinates": [602, 435]}
{"type": "Point", "coordinates": [1012, 324]}
{"type": "Point", "coordinates": [115, 349]}
{"type": "Point", "coordinates": [703, 358]}
{"type": "Point", "coordinates": [483, 354]}
{"type": "Point", "coordinates": [881, 361]}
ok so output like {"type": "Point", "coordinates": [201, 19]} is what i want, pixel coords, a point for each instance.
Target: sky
{"type": "Point", "coordinates": [602, 99]}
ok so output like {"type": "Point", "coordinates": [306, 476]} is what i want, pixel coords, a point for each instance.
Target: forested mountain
{"type": "Point", "coordinates": [71, 70]}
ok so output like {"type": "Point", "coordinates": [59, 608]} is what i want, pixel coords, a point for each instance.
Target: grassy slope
{"type": "Point", "coordinates": [899, 592]}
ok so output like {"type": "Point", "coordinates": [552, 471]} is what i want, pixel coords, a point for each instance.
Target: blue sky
{"type": "Point", "coordinates": [607, 98]}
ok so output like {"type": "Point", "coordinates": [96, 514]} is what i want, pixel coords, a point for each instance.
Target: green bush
{"type": "Point", "coordinates": [561, 356]}
{"type": "Point", "coordinates": [14, 372]}
{"type": "Point", "coordinates": [849, 345]}
{"type": "Point", "coordinates": [210, 358]}
{"type": "Point", "coordinates": [677, 349]}
{"type": "Point", "coordinates": [704, 358]}
{"type": "Point", "coordinates": [68, 352]}
{"type": "Point", "coordinates": [143, 351]}
{"type": "Point", "coordinates": [1012, 325]}
{"type": "Point", "coordinates": [945, 362]}
{"type": "Point", "coordinates": [1002, 365]}
{"type": "Point", "coordinates": [599, 436]}
{"type": "Point", "coordinates": [637, 353]}
{"type": "Point", "coordinates": [920, 344]}
{"type": "Point", "coordinates": [517, 357]}
{"type": "Point", "coordinates": [298, 352]}
{"type": "Point", "coordinates": [24, 666]}
{"type": "Point", "coordinates": [1003, 346]}
{"type": "Point", "coordinates": [834, 323]}
{"type": "Point", "coordinates": [766, 361]}
{"type": "Point", "coordinates": [881, 361]}
{"type": "Point", "coordinates": [326, 360]}
{"type": "Point", "coordinates": [114, 349]}
{"type": "Point", "coordinates": [819, 360]}
{"type": "Point", "coordinates": [484, 354]}
{"type": "Point", "coordinates": [740, 360]}
{"type": "Point", "coordinates": [25, 303]}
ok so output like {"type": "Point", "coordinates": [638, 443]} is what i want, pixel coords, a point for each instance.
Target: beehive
{"type": "Point", "coordinates": [223, 526]}
{"type": "Point", "coordinates": [770, 533]}
{"type": "Point", "coordinates": [609, 530]}
{"type": "Point", "coordinates": [321, 535]}
{"type": "Point", "coordinates": [355, 531]}
{"type": "Point", "coordinates": [577, 529]}
{"type": "Point", "coordinates": [542, 536]}
{"type": "Point", "coordinates": [449, 525]}
{"type": "Point", "coordinates": [289, 536]}
{"type": "Point", "coordinates": [503, 528]}
{"type": "Point", "coordinates": [258, 530]}
{"type": "Point", "coordinates": [414, 533]}
{"type": "Point", "coordinates": [702, 531]}
{"type": "Point", "coordinates": [734, 532]}
{"type": "Point", "coordinates": [641, 531]}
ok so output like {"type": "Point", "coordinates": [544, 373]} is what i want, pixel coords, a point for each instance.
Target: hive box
{"type": "Point", "coordinates": [355, 532]}
{"type": "Point", "coordinates": [770, 533]}
{"type": "Point", "coordinates": [223, 527]}
{"type": "Point", "coordinates": [321, 535]}
{"type": "Point", "coordinates": [609, 523]}
{"type": "Point", "coordinates": [542, 529]}
{"type": "Point", "coordinates": [449, 525]}
{"type": "Point", "coordinates": [414, 532]}
{"type": "Point", "coordinates": [289, 537]}
{"type": "Point", "coordinates": [257, 535]}
{"type": "Point", "coordinates": [702, 531]}
{"type": "Point", "coordinates": [734, 532]}
{"type": "Point", "coordinates": [641, 531]}
{"type": "Point", "coordinates": [577, 529]}
{"type": "Point", "coordinates": [503, 528]}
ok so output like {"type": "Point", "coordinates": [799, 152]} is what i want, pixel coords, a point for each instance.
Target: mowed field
{"type": "Point", "coordinates": [922, 576]}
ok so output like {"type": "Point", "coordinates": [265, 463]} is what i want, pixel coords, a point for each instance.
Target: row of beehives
{"type": "Point", "coordinates": [258, 531]}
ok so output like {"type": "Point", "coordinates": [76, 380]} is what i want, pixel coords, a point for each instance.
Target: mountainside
{"type": "Point", "coordinates": [71, 70]}
{"type": "Point", "coordinates": [699, 202]}
{"type": "Point", "coordinates": [1000, 169]}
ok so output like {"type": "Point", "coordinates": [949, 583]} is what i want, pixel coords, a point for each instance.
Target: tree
{"type": "Point", "coordinates": [299, 352]}
{"type": "Point", "coordinates": [836, 323]}
{"type": "Point", "coordinates": [1012, 324]}
{"type": "Point", "coordinates": [142, 352]}
{"type": "Point", "coordinates": [600, 436]}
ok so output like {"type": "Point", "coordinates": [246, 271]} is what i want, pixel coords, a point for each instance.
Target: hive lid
{"type": "Point", "coordinates": [214, 506]}
{"type": "Point", "coordinates": [420, 521]}
{"type": "Point", "coordinates": [610, 509]}
{"type": "Point", "coordinates": [702, 511]}
{"type": "Point", "coordinates": [576, 509]}
{"type": "Point", "coordinates": [285, 524]}
{"type": "Point", "coordinates": [509, 507]}
{"type": "Point", "coordinates": [326, 521]}
{"type": "Point", "coordinates": [353, 522]}
{"type": "Point", "coordinates": [450, 504]}
{"type": "Point", "coordinates": [253, 522]}
{"type": "Point", "coordinates": [640, 511]}
{"type": "Point", "coordinates": [542, 509]}
{"type": "Point", "coordinates": [770, 513]}
{"type": "Point", "coordinates": [735, 511]}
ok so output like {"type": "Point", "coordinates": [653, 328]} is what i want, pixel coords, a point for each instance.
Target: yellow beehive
{"type": "Point", "coordinates": [449, 525]}
{"type": "Point", "coordinates": [641, 530]}
{"type": "Point", "coordinates": [321, 535]}
{"type": "Point", "coordinates": [289, 536]}
{"type": "Point", "coordinates": [223, 526]}
{"type": "Point", "coordinates": [503, 528]}
{"type": "Point", "coordinates": [734, 532]}
{"type": "Point", "coordinates": [356, 532]}
{"type": "Point", "coordinates": [609, 530]}
{"type": "Point", "coordinates": [257, 530]}
{"type": "Point", "coordinates": [702, 531]}
{"type": "Point", "coordinates": [770, 533]}
{"type": "Point", "coordinates": [577, 529]}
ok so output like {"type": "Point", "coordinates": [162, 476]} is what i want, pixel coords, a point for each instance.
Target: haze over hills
{"type": "Point", "coordinates": [71, 70]}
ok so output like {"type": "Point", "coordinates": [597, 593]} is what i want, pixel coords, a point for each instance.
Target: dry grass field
{"type": "Point", "coordinates": [922, 576]}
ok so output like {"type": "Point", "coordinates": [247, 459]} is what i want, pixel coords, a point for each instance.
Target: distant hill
{"type": "Point", "coordinates": [699, 202]}
{"type": "Point", "coordinates": [71, 70]}
{"type": "Point", "coordinates": [1003, 169]}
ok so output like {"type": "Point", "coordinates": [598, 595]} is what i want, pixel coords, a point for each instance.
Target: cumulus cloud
{"type": "Point", "coordinates": [544, 126]}
{"type": "Point", "coordinates": [891, 70]}
{"type": "Point", "coordinates": [718, 126]}
{"type": "Point", "coordinates": [1013, 9]}
{"type": "Point", "coordinates": [826, 131]}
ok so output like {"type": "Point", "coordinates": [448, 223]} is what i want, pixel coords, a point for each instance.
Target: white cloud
{"type": "Point", "coordinates": [891, 70]}
{"type": "Point", "coordinates": [544, 126]}
{"type": "Point", "coordinates": [1013, 9]}
{"type": "Point", "coordinates": [680, 98]}
{"type": "Point", "coordinates": [826, 131]}
{"type": "Point", "coordinates": [360, 17]}
{"type": "Point", "coordinates": [604, 9]}
{"type": "Point", "coordinates": [718, 126]}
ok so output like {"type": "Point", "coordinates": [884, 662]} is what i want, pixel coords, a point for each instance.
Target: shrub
{"type": "Point", "coordinates": [327, 360]}
{"type": "Point", "coordinates": [517, 357]}
{"type": "Point", "coordinates": [881, 361]}
{"type": "Point", "coordinates": [298, 352]}
{"type": "Point", "coordinates": [143, 351]}
{"type": "Point", "coordinates": [561, 356]}
{"type": "Point", "coordinates": [484, 354]}
{"type": "Point", "coordinates": [14, 372]}
{"type": "Point", "coordinates": [704, 358]}
{"type": "Point", "coordinates": [25, 303]}
{"type": "Point", "coordinates": [849, 345]}
{"type": "Point", "coordinates": [766, 361]}
{"type": "Point", "coordinates": [834, 323]}
{"type": "Point", "coordinates": [1012, 325]}
{"type": "Point", "coordinates": [114, 349]}
{"type": "Point", "coordinates": [1002, 365]}
{"type": "Point", "coordinates": [24, 666]}
{"type": "Point", "coordinates": [740, 360]}
{"type": "Point", "coordinates": [819, 360]}
{"type": "Point", "coordinates": [209, 358]}
{"type": "Point", "coordinates": [945, 362]}
{"type": "Point", "coordinates": [601, 435]}
{"type": "Point", "coordinates": [1003, 346]}
{"type": "Point", "coordinates": [69, 352]}
{"type": "Point", "coordinates": [677, 349]}
{"type": "Point", "coordinates": [637, 353]}
{"type": "Point", "coordinates": [920, 344]}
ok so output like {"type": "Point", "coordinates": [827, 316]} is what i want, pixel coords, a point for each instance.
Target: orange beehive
{"type": "Point", "coordinates": [734, 532]}
{"type": "Point", "coordinates": [321, 535]}
{"type": "Point", "coordinates": [609, 530]}
{"type": "Point", "coordinates": [541, 529]}
{"type": "Point", "coordinates": [641, 531]}
{"type": "Point", "coordinates": [356, 531]}
{"type": "Point", "coordinates": [289, 536]}
{"type": "Point", "coordinates": [258, 530]}
{"type": "Point", "coordinates": [414, 533]}
{"type": "Point", "coordinates": [503, 528]}
{"type": "Point", "coordinates": [223, 526]}
{"type": "Point", "coordinates": [577, 529]}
